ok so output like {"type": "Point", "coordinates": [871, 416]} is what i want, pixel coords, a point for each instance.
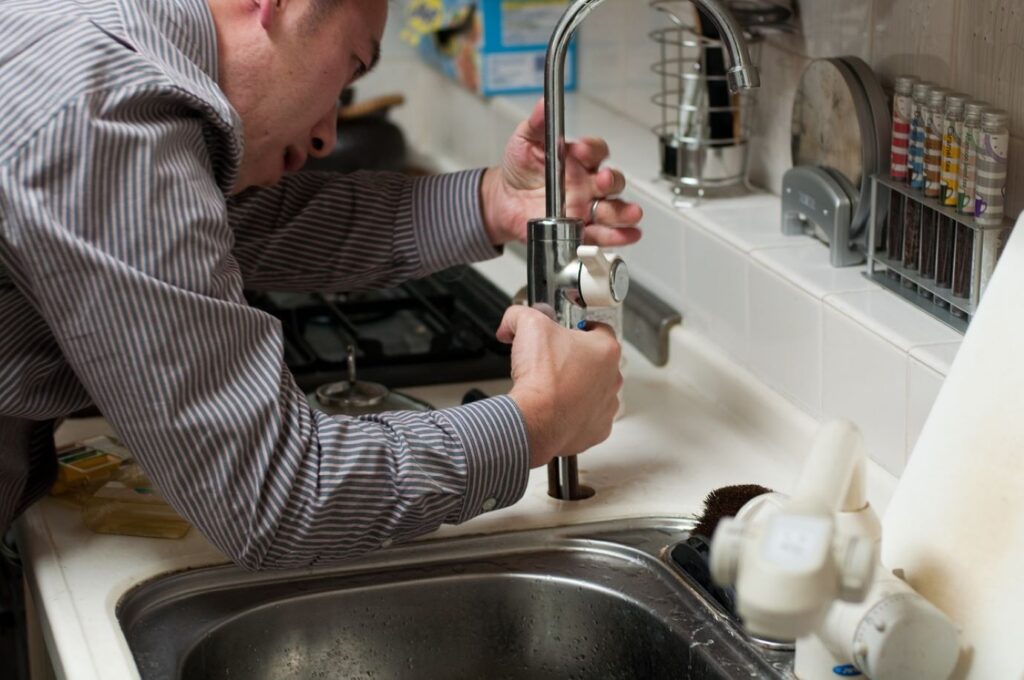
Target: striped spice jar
{"type": "Point", "coordinates": [952, 134]}
{"type": "Point", "coordinates": [935, 113]}
{"type": "Point", "coordinates": [969, 156]}
{"type": "Point", "coordinates": [902, 110]}
{"type": "Point", "coordinates": [990, 181]}
{"type": "Point", "coordinates": [915, 150]}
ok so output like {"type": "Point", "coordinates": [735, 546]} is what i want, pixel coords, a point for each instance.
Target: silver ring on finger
{"type": "Point", "coordinates": [593, 210]}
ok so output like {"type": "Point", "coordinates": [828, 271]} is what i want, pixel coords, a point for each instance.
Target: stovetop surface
{"type": "Point", "coordinates": [439, 329]}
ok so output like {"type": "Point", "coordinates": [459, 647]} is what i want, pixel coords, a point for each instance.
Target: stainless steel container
{"type": "Point", "coordinates": [704, 132]}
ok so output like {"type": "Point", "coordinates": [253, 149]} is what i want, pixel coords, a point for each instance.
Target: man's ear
{"type": "Point", "coordinates": [269, 10]}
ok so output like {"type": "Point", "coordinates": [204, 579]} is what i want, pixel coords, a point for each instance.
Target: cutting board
{"type": "Point", "coordinates": [956, 521]}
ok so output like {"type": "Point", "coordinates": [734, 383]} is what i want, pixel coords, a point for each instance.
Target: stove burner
{"type": "Point", "coordinates": [435, 330]}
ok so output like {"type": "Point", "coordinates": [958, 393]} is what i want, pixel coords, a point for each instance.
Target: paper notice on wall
{"type": "Point", "coordinates": [955, 524]}
{"type": "Point", "coordinates": [529, 22]}
{"type": "Point", "coordinates": [515, 70]}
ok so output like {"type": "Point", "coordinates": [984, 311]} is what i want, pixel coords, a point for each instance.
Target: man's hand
{"type": "Point", "coordinates": [566, 382]}
{"type": "Point", "coordinates": [514, 193]}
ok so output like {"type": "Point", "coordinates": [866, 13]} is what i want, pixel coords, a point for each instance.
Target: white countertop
{"type": "Point", "coordinates": [694, 425]}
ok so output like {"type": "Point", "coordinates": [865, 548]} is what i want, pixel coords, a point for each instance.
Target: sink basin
{"type": "Point", "coordinates": [591, 601]}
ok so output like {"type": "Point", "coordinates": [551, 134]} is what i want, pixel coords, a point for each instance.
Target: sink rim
{"type": "Point", "coordinates": [640, 542]}
{"type": "Point", "coordinates": [194, 580]}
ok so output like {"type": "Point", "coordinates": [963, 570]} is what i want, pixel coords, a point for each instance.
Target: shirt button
{"type": "Point", "coordinates": [386, 543]}
{"type": "Point", "coordinates": [489, 504]}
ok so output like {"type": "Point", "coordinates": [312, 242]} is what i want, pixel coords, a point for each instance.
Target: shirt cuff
{"type": "Point", "coordinates": [497, 455]}
{"type": "Point", "coordinates": [447, 219]}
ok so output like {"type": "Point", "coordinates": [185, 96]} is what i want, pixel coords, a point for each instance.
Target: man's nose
{"type": "Point", "coordinates": [324, 134]}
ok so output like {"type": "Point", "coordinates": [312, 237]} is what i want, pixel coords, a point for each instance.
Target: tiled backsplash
{"type": "Point", "coordinates": [974, 46]}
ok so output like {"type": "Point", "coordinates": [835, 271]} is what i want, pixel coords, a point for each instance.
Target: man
{"type": "Point", "coordinates": [144, 152]}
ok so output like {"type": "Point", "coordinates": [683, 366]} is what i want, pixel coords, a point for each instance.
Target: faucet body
{"type": "Point", "coordinates": [561, 280]}
{"type": "Point", "coordinates": [807, 568]}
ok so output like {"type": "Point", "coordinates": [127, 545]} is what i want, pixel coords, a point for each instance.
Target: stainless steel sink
{"type": "Point", "coordinates": [591, 601]}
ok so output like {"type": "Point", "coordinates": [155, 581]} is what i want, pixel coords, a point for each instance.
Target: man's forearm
{"type": "Point", "coordinates": [318, 231]}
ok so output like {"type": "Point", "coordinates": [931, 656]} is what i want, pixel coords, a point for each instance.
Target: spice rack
{"type": "Point", "coordinates": [946, 270]}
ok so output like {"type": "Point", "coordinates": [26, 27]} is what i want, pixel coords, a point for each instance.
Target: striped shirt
{"type": "Point", "coordinates": [122, 265]}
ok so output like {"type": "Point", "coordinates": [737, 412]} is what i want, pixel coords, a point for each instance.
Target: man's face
{"type": "Point", "coordinates": [288, 74]}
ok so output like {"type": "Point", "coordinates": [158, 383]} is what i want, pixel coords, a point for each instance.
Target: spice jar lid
{"type": "Point", "coordinates": [922, 89]}
{"type": "Point", "coordinates": [974, 108]}
{"type": "Point", "coordinates": [995, 118]}
{"type": "Point", "coordinates": [937, 98]}
{"type": "Point", "coordinates": [904, 84]}
{"type": "Point", "coordinates": [955, 103]}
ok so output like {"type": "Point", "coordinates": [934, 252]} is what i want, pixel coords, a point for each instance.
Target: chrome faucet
{"type": "Point", "coordinates": [564, 276]}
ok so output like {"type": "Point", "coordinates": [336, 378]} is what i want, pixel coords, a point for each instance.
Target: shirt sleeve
{"type": "Point", "coordinates": [121, 240]}
{"type": "Point", "coordinates": [328, 231]}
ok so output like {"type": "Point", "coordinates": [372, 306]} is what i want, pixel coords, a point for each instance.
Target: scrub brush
{"type": "Point", "coordinates": [691, 556]}
{"type": "Point", "coordinates": [725, 502]}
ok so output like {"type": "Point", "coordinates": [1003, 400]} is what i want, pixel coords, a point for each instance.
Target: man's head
{"type": "Point", "coordinates": [283, 64]}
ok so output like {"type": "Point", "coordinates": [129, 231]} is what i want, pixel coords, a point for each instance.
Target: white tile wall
{"type": "Point", "coordinates": [786, 342]}
{"type": "Point", "coordinates": [808, 267]}
{"type": "Point", "coordinates": [716, 290]}
{"type": "Point", "coordinates": [865, 380]}
{"type": "Point", "coordinates": [662, 249]}
{"type": "Point", "coordinates": [923, 385]}
{"type": "Point", "coordinates": [938, 357]}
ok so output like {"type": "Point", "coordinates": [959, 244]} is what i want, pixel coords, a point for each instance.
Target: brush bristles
{"type": "Point", "coordinates": [725, 502]}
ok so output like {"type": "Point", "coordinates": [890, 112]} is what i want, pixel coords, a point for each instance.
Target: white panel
{"type": "Point", "coordinates": [939, 357]}
{"type": "Point", "coordinates": [748, 222]}
{"type": "Point", "coordinates": [865, 381]}
{"type": "Point", "coordinates": [657, 260]}
{"type": "Point", "coordinates": [923, 387]}
{"type": "Point", "coordinates": [807, 266]}
{"type": "Point", "coordinates": [893, 318]}
{"type": "Point", "coordinates": [716, 290]}
{"type": "Point", "coordinates": [785, 338]}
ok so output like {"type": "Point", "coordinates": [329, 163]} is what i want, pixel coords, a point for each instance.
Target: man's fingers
{"type": "Point", "coordinates": [515, 317]}
{"type": "Point", "coordinates": [600, 327]}
{"type": "Point", "coordinates": [611, 237]}
{"type": "Point", "coordinates": [589, 151]}
{"type": "Point", "coordinates": [532, 129]}
{"type": "Point", "coordinates": [614, 212]}
{"type": "Point", "coordinates": [510, 323]}
{"type": "Point", "coordinates": [608, 182]}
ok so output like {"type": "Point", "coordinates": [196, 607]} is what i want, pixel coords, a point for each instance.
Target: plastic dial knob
{"type": "Point", "coordinates": [603, 279]}
{"type": "Point", "coordinates": [856, 558]}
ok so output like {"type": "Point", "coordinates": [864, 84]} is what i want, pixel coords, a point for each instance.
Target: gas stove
{"type": "Point", "coordinates": [439, 329]}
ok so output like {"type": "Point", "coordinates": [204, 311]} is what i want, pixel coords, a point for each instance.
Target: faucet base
{"type": "Point", "coordinates": [564, 480]}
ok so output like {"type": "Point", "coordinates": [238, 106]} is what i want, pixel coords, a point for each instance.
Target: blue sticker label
{"type": "Point", "coordinates": [847, 671]}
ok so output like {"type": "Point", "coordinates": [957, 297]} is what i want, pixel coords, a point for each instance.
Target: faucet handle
{"type": "Point", "coordinates": [603, 277]}
{"type": "Point", "coordinates": [855, 557]}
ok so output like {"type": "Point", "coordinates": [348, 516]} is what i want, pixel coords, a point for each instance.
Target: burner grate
{"type": "Point", "coordinates": [435, 330]}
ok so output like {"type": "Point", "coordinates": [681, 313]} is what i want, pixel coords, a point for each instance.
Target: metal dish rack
{"type": "Point", "coordinates": [693, 162]}
{"type": "Point", "coordinates": [948, 287]}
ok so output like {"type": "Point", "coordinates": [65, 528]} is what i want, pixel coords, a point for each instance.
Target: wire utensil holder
{"type": "Point", "coordinates": [696, 157]}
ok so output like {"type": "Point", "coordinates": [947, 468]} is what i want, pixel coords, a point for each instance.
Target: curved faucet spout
{"type": "Point", "coordinates": [742, 75]}
{"type": "Point", "coordinates": [561, 277]}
